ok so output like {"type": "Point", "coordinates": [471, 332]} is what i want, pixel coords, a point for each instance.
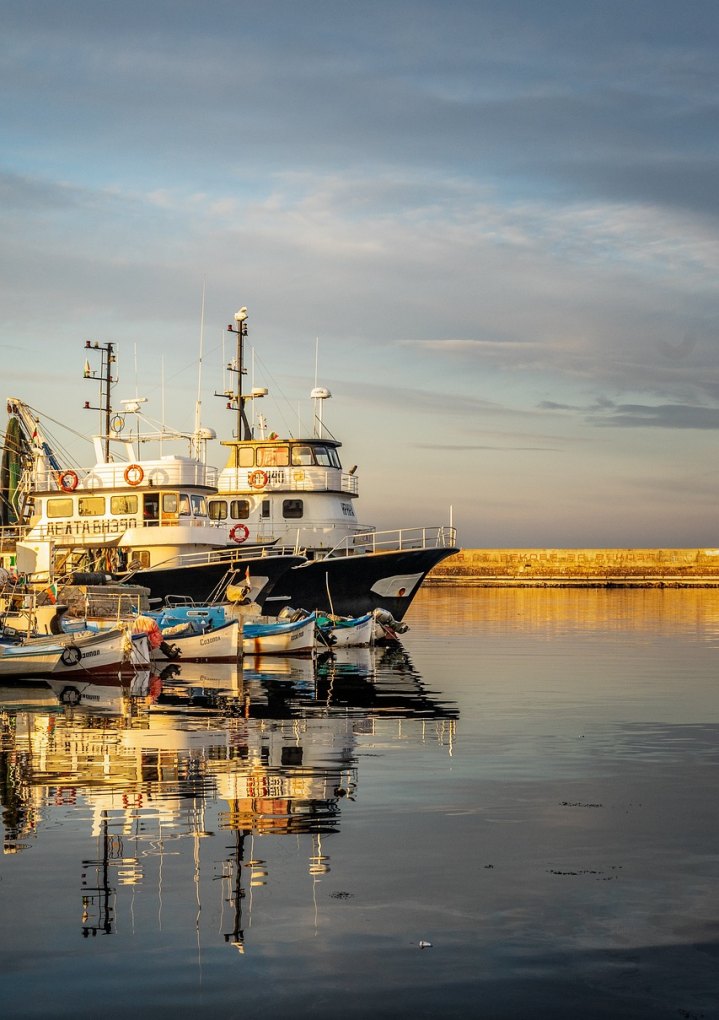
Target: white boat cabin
{"type": "Point", "coordinates": [146, 510]}
{"type": "Point", "coordinates": [290, 491]}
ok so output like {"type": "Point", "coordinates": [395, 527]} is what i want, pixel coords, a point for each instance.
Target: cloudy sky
{"type": "Point", "coordinates": [499, 218]}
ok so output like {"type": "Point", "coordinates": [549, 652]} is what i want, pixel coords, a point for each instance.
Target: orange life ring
{"type": "Point", "coordinates": [258, 479]}
{"type": "Point", "coordinates": [67, 480]}
{"type": "Point", "coordinates": [134, 474]}
{"type": "Point", "coordinates": [239, 533]}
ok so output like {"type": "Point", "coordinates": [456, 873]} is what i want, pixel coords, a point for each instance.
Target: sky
{"type": "Point", "coordinates": [489, 228]}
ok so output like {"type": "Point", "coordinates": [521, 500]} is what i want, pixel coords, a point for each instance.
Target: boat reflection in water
{"type": "Point", "coordinates": [267, 748]}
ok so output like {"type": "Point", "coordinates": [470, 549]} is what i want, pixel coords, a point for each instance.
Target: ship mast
{"type": "Point", "coordinates": [105, 378]}
{"type": "Point", "coordinates": [243, 428]}
{"type": "Point", "coordinates": [236, 398]}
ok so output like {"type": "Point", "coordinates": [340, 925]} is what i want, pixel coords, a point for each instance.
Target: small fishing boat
{"type": "Point", "coordinates": [347, 632]}
{"type": "Point", "coordinates": [20, 661]}
{"type": "Point", "coordinates": [281, 637]}
{"type": "Point", "coordinates": [84, 652]}
{"type": "Point", "coordinates": [187, 642]}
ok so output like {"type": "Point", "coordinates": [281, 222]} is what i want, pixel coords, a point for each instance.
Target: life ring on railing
{"type": "Point", "coordinates": [239, 533]}
{"type": "Point", "coordinates": [134, 474]}
{"type": "Point", "coordinates": [67, 480]}
{"type": "Point", "coordinates": [258, 479]}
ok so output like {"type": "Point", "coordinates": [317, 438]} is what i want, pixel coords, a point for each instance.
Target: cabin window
{"type": "Point", "coordinates": [91, 506]}
{"type": "Point", "coordinates": [240, 509]}
{"type": "Point", "coordinates": [334, 457]}
{"type": "Point", "coordinates": [123, 504]}
{"type": "Point", "coordinates": [302, 456]}
{"type": "Point", "coordinates": [218, 510]}
{"type": "Point", "coordinates": [292, 508]}
{"type": "Point", "coordinates": [323, 456]}
{"type": "Point", "coordinates": [265, 509]}
{"type": "Point", "coordinates": [151, 511]}
{"type": "Point", "coordinates": [138, 558]}
{"type": "Point", "coordinates": [245, 456]}
{"type": "Point", "coordinates": [273, 456]}
{"type": "Point", "coordinates": [184, 505]}
{"type": "Point", "coordinates": [199, 505]}
{"type": "Point", "coordinates": [59, 508]}
{"type": "Point", "coordinates": [169, 502]}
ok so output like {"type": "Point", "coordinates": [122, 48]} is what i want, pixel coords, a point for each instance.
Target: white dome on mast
{"type": "Point", "coordinates": [319, 394]}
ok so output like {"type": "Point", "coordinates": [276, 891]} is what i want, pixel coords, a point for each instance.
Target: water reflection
{"type": "Point", "coordinates": [548, 612]}
{"type": "Point", "coordinates": [151, 764]}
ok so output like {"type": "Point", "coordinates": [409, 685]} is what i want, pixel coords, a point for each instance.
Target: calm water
{"type": "Point", "coordinates": [530, 785]}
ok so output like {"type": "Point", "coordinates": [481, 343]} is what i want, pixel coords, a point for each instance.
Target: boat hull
{"type": "Point", "coordinates": [280, 638]}
{"type": "Point", "coordinates": [219, 644]}
{"type": "Point", "coordinates": [354, 633]}
{"type": "Point", "coordinates": [75, 654]}
{"type": "Point", "coordinates": [201, 582]}
{"type": "Point", "coordinates": [355, 585]}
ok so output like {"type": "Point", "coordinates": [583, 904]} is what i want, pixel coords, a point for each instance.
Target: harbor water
{"type": "Point", "coordinates": [514, 815]}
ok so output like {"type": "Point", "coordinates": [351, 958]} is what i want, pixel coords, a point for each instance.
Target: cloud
{"type": "Point", "coordinates": [666, 416]}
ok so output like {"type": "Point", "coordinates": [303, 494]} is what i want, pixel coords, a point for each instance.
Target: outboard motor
{"type": "Point", "coordinates": [385, 619]}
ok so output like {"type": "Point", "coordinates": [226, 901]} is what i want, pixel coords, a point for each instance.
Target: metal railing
{"type": "Point", "coordinates": [441, 537]}
{"type": "Point", "coordinates": [289, 479]}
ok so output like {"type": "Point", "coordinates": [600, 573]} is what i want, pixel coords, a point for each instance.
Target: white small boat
{"type": "Point", "coordinates": [347, 632]}
{"type": "Point", "coordinates": [74, 654]}
{"type": "Point", "coordinates": [182, 643]}
{"type": "Point", "coordinates": [21, 661]}
{"type": "Point", "coordinates": [280, 637]}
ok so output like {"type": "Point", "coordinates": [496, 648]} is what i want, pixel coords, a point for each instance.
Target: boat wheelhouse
{"type": "Point", "coordinates": [293, 492]}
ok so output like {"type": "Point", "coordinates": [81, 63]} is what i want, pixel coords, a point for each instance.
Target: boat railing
{"type": "Point", "coordinates": [110, 606]}
{"type": "Point", "coordinates": [168, 471]}
{"type": "Point", "coordinates": [290, 479]}
{"type": "Point", "coordinates": [436, 537]}
{"type": "Point", "coordinates": [228, 556]}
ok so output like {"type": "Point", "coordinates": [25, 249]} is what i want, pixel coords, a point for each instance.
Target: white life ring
{"type": "Point", "coordinates": [239, 533]}
{"type": "Point", "coordinates": [67, 480]}
{"type": "Point", "coordinates": [134, 474]}
{"type": "Point", "coordinates": [258, 479]}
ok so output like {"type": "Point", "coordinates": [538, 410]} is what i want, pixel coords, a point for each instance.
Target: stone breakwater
{"type": "Point", "coordinates": [580, 567]}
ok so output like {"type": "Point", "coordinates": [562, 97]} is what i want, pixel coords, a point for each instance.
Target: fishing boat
{"type": "Point", "coordinates": [293, 492]}
{"type": "Point", "coordinates": [280, 637]}
{"type": "Point", "coordinates": [183, 642]}
{"type": "Point", "coordinates": [127, 517]}
{"type": "Point", "coordinates": [348, 632]}
{"type": "Point", "coordinates": [85, 652]}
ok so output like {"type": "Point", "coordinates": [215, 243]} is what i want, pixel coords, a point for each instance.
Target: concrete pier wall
{"type": "Point", "coordinates": [591, 567]}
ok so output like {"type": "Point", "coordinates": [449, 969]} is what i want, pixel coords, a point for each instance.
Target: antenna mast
{"type": "Point", "coordinates": [243, 427]}
{"type": "Point", "coordinates": [106, 379]}
{"type": "Point", "coordinates": [198, 403]}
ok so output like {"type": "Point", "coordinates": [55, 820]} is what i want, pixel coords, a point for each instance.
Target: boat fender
{"type": "Point", "coordinates": [258, 479]}
{"type": "Point", "coordinates": [68, 480]}
{"type": "Point", "coordinates": [239, 533]}
{"type": "Point", "coordinates": [71, 655]}
{"type": "Point", "coordinates": [134, 474]}
{"type": "Point", "coordinates": [70, 696]}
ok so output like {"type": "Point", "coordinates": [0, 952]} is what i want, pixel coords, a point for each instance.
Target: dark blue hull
{"type": "Point", "coordinates": [353, 585]}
